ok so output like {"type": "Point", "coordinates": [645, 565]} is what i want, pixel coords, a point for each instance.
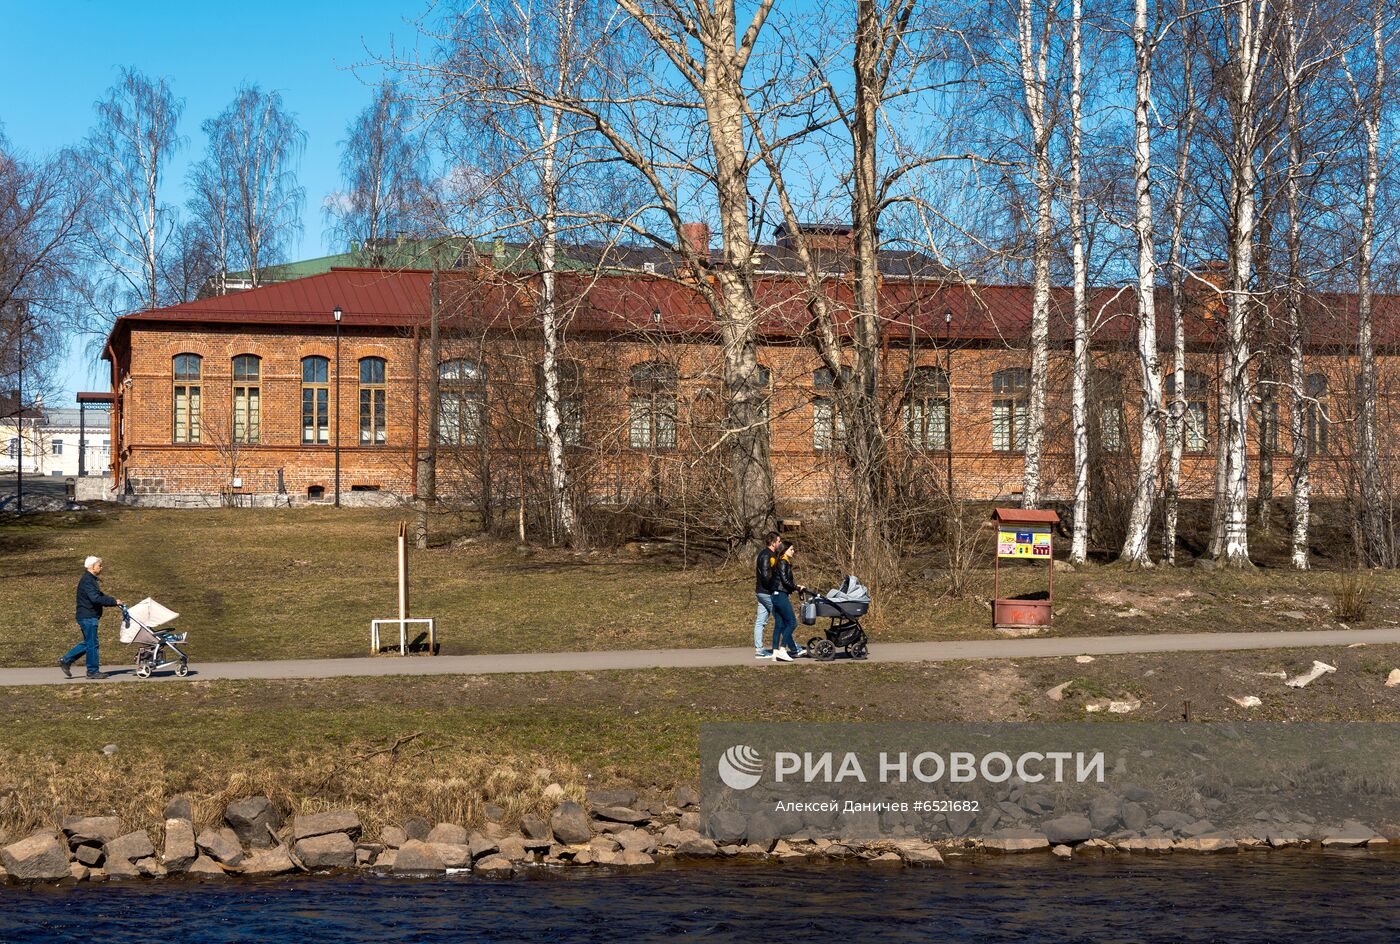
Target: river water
{"type": "Point", "coordinates": [1266, 898]}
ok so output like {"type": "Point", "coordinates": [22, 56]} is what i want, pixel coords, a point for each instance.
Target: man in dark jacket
{"type": "Point", "coordinates": [91, 600]}
{"type": "Point", "coordinates": [765, 573]}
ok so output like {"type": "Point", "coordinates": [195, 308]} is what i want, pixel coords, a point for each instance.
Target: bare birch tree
{"type": "Point", "coordinates": [124, 160]}
{"type": "Point", "coordinates": [1079, 393]}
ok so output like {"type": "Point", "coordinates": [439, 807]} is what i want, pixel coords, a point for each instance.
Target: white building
{"type": "Point", "coordinates": [47, 441]}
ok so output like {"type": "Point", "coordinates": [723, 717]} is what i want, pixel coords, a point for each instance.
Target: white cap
{"type": "Point", "coordinates": [87, 564]}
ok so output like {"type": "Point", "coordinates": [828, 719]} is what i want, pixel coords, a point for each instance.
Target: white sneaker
{"type": "Point", "coordinates": [799, 653]}
{"type": "Point", "coordinates": [781, 655]}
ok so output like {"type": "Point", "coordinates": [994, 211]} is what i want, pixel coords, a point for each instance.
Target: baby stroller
{"type": "Point", "coordinates": [158, 650]}
{"type": "Point", "coordinates": [844, 606]}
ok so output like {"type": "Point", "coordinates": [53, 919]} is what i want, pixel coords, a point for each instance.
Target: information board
{"type": "Point", "coordinates": [1024, 541]}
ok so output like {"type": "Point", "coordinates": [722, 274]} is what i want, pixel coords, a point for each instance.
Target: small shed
{"type": "Point", "coordinates": [1023, 534]}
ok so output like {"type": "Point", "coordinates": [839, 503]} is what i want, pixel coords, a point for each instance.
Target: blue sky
{"type": "Point", "coordinates": [60, 57]}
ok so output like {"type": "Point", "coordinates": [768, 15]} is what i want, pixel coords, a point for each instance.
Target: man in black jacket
{"type": "Point", "coordinates": [765, 573]}
{"type": "Point", "coordinates": [91, 600]}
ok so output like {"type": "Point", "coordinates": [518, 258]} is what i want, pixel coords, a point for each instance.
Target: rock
{"type": "Point", "coordinates": [1058, 692]}
{"type": "Point", "coordinates": [454, 855]}
{"type": "Point", "coordinates": [254, 821]}
{"type": "Point", "coordinates": [1209, 842]}
{"type": "Point", "coordinates": [638, 840]}
{"type": "Point", "coordinates": [1248, 701]}
{"type": "Point", "coordinates": [277, 861]}
{"type": "Point", "coordinates": [78, 872]}
{"type": "Point", "coordinates": [886, 859]}
{"type": "Point", "coordinates": [385, 859]}
{"type": "Point", "coordinates": [697, 847]}
{"type": "Point", "coordinates": [493, 813]}
{"type": "Point", "coordinates": [91, 856]}
{"type": "Point", "coordinates": [535, 827]}
{"type": "Point", "coordinates": [604, 844]}
{"type": "Point", "coordinates": [1149, 844]}
{"type": "Point", "coordinates": [1017, 840]}
{"type": "Point", "coordinates": [513, 848]}
{"type": "Point", "coordinates": [132, 846]}
{"type": "Point", "coordinates": [179, 808]}
{"type": "Point", "coordinates": [493, 866]}
{"type": "Point", "coordinates": [912, 851]}
{"type": "Point", "coordinates": [1393, 679]}
{"type": "Point", "coordinates": [1351, 836]}
{"type": "Point", "coordinates": [1172, 820]}
{"type": "Point", "coordinates": [1062, 566]}
{"type": "Point", "coordinates": [621, 814]}
{"type": "Point", "coordinates": [482, 845]}
{"type": "Point", "coordinates": [92, 830]}
{"type": "Point", "coordinates": [323, 824]}
{"type": "Point", "coordinates": [221, 845]}
{"type": "Point", "coordinates": [633, 857]}
{"type": "Point", "coordinates": [416, 827]}
{"type": "Point", "coordinates": [1067, 830]}
{"type": "Point", "coordinates": [40, 857]}
{"type": "Point", "coordinates": [687, 796]}
{"type": "Point", "coordinates": [1062, 852]}
{"type": "Point", "coordinates": [150, 867]}
{"type": "Point", "coordinates": [393, 836]}
{"type": "Point", "coordinates": [179, 845]}
{"type": "Point", "coordinates": [109, 749]}
{"type": "Point", "coordinates": [365, 855]}
{"type": "Point", "coordinates": [1282, 840]}
{"type": "Point", "coordinates": [727, 827]}
{"type": "Point", "coordinates": [1318, 670]}
{"type": "Point", "coordinates": [1134, 816]}
{"type": "Point", "coordinates": [417, 857]}
{"type": "Point", "coordinates": [448, 833]}
{"type": "Point", "coordinates": [618, 797]}
{"type": "Point", "coordinates": [1105, 814]}
{"type": "Point", "coordinates": [1113, 707]}
{"type": "Point", "coordinates": [552, 791]}
{"type": "Point", "coordinates": [205, 867]}
{"type": "Point", "coordinates": [121, 869]}
{"type": "Point", "coordinates": [329, 851]}
{"type": "Point", "coordinates": [570, 824]}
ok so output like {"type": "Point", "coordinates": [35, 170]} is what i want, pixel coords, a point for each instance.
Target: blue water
{"type": "Point", "coordinates": [1266, 898]}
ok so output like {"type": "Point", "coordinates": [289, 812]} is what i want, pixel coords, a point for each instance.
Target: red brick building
{"type": "Point", "coordinates": [245, 393]}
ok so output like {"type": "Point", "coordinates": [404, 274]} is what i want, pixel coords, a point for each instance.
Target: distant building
{"type": "Point", "coordinates": [48, 440]}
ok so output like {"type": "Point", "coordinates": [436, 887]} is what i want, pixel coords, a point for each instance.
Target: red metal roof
{"type": "Point", "coordinates": [1025, 516]}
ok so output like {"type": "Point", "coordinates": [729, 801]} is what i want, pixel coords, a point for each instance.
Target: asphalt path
{"type": "Point", "coordinates": [903, 652]}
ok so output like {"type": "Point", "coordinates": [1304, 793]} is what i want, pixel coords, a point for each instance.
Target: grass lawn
{"type": "Point", "coordinates": [270, 584]}
{"type": "Point", "coordinates": [466, 740]}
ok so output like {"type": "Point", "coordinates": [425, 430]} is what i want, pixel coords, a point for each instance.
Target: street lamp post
{"type": "Point", "coordinates": [337, 314]}
{"type": "Point", "coordinates": [19, 417]}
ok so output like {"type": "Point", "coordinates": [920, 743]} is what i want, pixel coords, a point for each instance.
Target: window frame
{"type": "Point", "coordinates": [927, 394]}
{"type": "Point", "coordinates": [1010, 392]}
{"type": "Point", "coordinates": [653, 397]}
{"type": "Point", "coordinates": [186, 399]}
{"type": "Point", "coordinates": [320, 390]}
{"type": "Point", "coordinates": [1195, 416]}
{"type": "Point", "coordinates": [570, 374]}
{"type": "Point", "coordinates": [249, 411]}
{"type": "Point", "coordinates": [375, 432]}
{"type": "Point", "coordinates": [467, 395]}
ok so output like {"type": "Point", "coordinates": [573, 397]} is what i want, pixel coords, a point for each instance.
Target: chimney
{"type": "Point", "coordinates": [697, 237]}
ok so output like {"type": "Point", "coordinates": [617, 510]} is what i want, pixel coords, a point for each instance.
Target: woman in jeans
{"type": "Point", "coordinates": [784, 620]}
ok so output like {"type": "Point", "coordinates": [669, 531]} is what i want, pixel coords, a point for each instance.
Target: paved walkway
{"type": "Point", "coordinates": [1029, 648]}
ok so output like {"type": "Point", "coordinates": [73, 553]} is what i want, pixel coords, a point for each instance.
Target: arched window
{"type": "Point", "coordinates": [315, 401]}
{"type": "Point", "coordinates": [926, 409]}
{"type": "Point", "coordinates": [828, 427]}
{"type": "Point", "coordinates": [1315, 410]}
{"type": "Point", "coordinates": [652, 406]}
{"type": "Point", "coordinates": [1106, 389]}
{"type": "Point", "coordinates": [372, 393]}
{"type": "Point", "coordinates": [570, 406]}
{"type": "Point", "coordinates": [247, 398]}
{"type": "Point", "coordinates": [1009, 388]}
{"type": "Point", "coordinates": [1196, 415]}
{"type": "Point", "coordinates": [461, 395]}
{"type": "Point", "coordinates": [185, 398]}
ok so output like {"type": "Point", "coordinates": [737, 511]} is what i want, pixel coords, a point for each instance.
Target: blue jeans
{"type": "Point", "coordinates": [88, 645]}
{"type": "Point", "coordinates": [784, 622]}
{"type": "Point", "coordinates": [760, 618]}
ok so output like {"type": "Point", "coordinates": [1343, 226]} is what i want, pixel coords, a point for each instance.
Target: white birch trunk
{"type": "Point", "coordinates": [1079, 419]}
{"type": "Point", "coordinates": [1375, 539]}
{"type": "Point", "coordinates": [1135, 542]}
{"type": "Point", "coordinates": [1034, 54]}
{"type": "Point", "coordinates": [1293, 298]}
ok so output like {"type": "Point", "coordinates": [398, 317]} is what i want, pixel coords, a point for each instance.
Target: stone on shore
{"type": "Point", "coordinates": [696, 846]}
{"type": "Point", "coordinates": [78, 872]}
{"type": "Point", "coordinates": [92, 830]}
{"type": "Point", "coordinates": [637, 840]}
{"type": "Point", "coordinates": [1067, 830]}
{"type": "Point", "coordinates": [481, 845]}
{"type": "Point", "coordinates": [570, 824]}
{"type": "Point", "coordinates": [330, 851]}
{"type": "Point", "coordinates": [269, 862]}
{"type": "Point", "coordinates": [205, 867]}
{"type": "Point", "coordinates": [633, 857]}
{"type": "Point", "coordinates": [253, 820]}
{"type": "Point", "coordinates": [1017, 840]}
{"type": "Point", "coordinates": [621, 814]}
{"type": "Point", "coordinates": [913, 852]}
{"type": "Point", "coordinates": [447, 833]}
{"type": "Point", "coordinates": [323, 824]}
{"type": "Point", "coordinates": [131, 846]}
{"type": "Point", "coordinates": [393, 836]}
{"type": "Point", "coordinates": [1148, 844]}
{"type": "Point", "coordinates": [121, 869]}
{"type": "Point", "coordinates": [454, 855]}
{"type": "Point", "coordinates": [513, 848]}
{"type": "Point", "coordinates": [493, 866]}
{"type": "Point", "coordinates": [1352, 835]}
{"type": "Point", "coordinates": [687, 796]}
{"type": "Point", "coordinates": [416, 827]}
{"type": "Point", "coordinates": [1208, 842]}
{"type": "Point", "coordinates": [221, 844]}
{"type": "Point", "coordinates": [179, 845]}
{"type": "Point", "coordinates": [40, 857]}
{"type": "Point", "coordinates": [416, 857]}
{"type": "Point", "coordinates": [90, 856]}
{"type": "Point", "coordinates": [179, 808]}
{"type": "Point", "coordinates": [535, 827]}
{"type": "Point", "coordinates": [617, 797]}
{"type": "Point", "coordinates": [1062, 852]}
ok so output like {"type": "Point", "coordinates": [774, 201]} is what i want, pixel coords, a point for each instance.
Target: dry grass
{"type": "Point", "coordinates": [1351, 596]}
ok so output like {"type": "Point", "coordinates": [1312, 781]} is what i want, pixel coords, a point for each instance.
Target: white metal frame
{"type": "Point", "coordinates": [403, 634]}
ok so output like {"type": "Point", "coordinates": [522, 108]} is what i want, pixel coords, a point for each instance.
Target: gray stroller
{"type": "Point", "coordinates": [158, 649]}
{"type": "Point", "coordinates": [844, 606]}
